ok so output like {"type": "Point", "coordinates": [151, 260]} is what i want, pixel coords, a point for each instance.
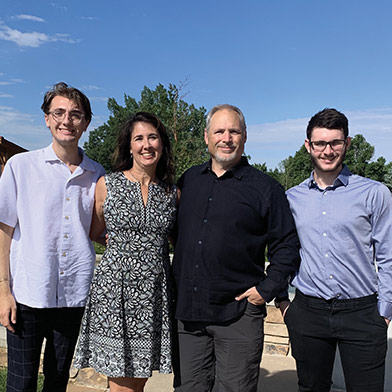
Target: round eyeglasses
{"type": "Point", "coordinates": [75, 116]}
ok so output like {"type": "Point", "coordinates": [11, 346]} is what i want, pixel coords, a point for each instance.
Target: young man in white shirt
{"type": "Point", "coordinates": [46, 257]}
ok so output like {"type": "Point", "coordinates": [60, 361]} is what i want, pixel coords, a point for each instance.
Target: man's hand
{"type": "Point", "coordinates": [283, 306]}
{"type": "Point", "coordinates": [387, 321]}
{"type": "Point", "coordinates": [7, 309]}
{"type": "Point", "coordinates": [252, 295]}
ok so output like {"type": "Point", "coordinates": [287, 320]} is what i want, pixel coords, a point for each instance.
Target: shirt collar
{"type": "Point", "coordinates": [86, 164]}
{"type": "Point", "coordinates": [341, 179]}
{"type": "Point", "coordinates": [236, 171]}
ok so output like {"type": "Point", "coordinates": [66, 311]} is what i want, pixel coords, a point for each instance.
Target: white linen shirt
{"type": "Point", "coordinates": [51, 258]}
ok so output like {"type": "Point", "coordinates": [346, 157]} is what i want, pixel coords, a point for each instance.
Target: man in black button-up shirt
{"type": "Point", "coordinates": [229, 213]}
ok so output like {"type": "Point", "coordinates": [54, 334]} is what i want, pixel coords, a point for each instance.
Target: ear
{"type": "Point", "coordinates": [245, 136]}
{"type": "Point", "coordinates": [87, 124]}
{"type": "Point", "coordinates": [307, 145]}
{"type": "Point", "coordinates": [348, 142]}
{"type": "Point", "coordinates": [206, 136]}
{"type": "Point", "coordinates": [47, 120]}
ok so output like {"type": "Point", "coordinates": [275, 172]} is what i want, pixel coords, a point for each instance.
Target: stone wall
{"type": "Point", "coordinates": [276, 336]}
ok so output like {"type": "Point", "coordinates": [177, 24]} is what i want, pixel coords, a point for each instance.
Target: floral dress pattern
{"type": "Point", "coordinates": [126, 327]}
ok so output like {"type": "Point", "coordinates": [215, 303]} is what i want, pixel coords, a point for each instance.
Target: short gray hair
{"type": "Point", "coordinates": [226, 106]}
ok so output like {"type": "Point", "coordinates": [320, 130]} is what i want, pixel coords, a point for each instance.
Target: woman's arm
{"type": "Point", "coordinates": [98, 221]}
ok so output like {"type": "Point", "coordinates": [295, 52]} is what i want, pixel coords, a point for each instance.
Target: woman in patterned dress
{"type": "Point", "coordinates": [126, 327]}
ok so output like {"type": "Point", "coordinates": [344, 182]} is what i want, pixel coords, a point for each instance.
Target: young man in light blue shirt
{"type": "Point", "coordinates": [46, 257]}
{"type": "Point", "coordinates": [344, 284]}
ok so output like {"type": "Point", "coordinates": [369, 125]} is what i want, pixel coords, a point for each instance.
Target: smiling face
{"type": "Point", "coordinates": [65, 132]}
{"type": "Point", "coordinates": [330, 160]}
{"type": "Point", "coordinates": [225, 138]}
{"type": "Point", "coordinates": [146, 146]}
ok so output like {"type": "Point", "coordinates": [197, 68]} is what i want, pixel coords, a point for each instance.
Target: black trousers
{"type": "Point", "coordinates": [222, 357]}
{"type": "Point", "coordinates": [317, 326]}
{"type": "Point", "coordinates": [60, 327]}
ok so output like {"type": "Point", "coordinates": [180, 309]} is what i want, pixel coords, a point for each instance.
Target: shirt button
{"type": "Point", "coordinates": [324, 213]}
{"type": "Point", "coordinates": [210, 199]}
{"type": "Point", "coordinates": [326, 255]}
{"type": "Point", "coordinates": [65, 235]}
{"type": "Point", "coordinates": [195, 288]}
{"type": "Point", "coordinates": [205, 220]}
{"type": "Point", "coordinates": [61, 272]}
{"type": "Point", "coordinates": [200, 242]}
{"type": "Point", "coordinates": [324, 234]}
{"type": "Point", "coordinates": [337, 295]}
{"type": "Point", "coordinates": [330, 276]}
{"type": "Point", "coordinates": [66, 217]}
{"type": "Point", "coordinates": [63, 254]}
{"type": "Point", "coordinates": [67, 198]}
{"type": "Point", "coordinates": [196, 265]}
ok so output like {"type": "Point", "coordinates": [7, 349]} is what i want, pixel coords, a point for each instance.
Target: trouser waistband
{"type": "Point", "coordinates": [321, 303]}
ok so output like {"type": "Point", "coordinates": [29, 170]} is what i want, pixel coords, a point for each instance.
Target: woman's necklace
{"type": "Point", "coordinates": [137, 179]}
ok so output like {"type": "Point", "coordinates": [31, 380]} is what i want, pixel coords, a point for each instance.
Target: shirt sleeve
{"type": "Point", "coordinates": [8, 196]}
{"type": "Point", "coordinates": [283, 247]}
{"type": "Point", "coordinates": [382, 240]}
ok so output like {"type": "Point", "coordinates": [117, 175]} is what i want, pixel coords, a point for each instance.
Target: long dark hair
{"type": "Point", "coordinates": [123, 159]}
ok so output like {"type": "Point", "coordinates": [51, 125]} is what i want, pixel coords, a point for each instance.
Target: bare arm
{"type": "Point", "coordinates": [98, 221]}
{"type": "Point", "coordinates": [7, 301]}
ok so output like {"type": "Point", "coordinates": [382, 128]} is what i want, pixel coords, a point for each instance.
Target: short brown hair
{"type": "Point", "coordinates": [72, 93]}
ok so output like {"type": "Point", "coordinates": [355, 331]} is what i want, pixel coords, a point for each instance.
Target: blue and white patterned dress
{"type": "Point", "coordinates": [126, 328]}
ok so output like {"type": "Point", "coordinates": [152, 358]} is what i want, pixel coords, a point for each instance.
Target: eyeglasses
{"type": "Point", "coordinates": [75, 116]}
{"type": "Point", "coordinates": [321, 145]}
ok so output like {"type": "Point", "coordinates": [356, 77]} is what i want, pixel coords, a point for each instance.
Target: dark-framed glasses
{"type": "Point", "coordinates": [75, 116]}
{"type": "Point", "coordinates": [321, 145]}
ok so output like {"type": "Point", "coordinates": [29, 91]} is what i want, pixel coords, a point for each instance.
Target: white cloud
{"type": "Point", "coordinates": [273, 142]}
{"type": "Point", "coordinates": [11, 81]}
{"type": "Point", "coordinates": [29, 17]}
{"type": "Point", "coordinates": [90, 87]}
{"type": "Point", "coordinates": [90, 18]}
{"type": "Point", "coordinates": [99, 99]}
{"type": "Point", "coordinates": [23, 129]}
{"type": "Point", "coordinates": [33, 39]}
{"type": "Point", "coordinates": [4, 95]}
{"type": "Point", "coordinates": [58, 6]}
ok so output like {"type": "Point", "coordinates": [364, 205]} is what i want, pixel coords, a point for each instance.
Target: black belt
{"type": "Point", "coordinates": [335, 303]}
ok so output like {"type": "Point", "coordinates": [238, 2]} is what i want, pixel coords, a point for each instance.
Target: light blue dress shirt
{"type": "Point", "coordinates": [51, 258]}
{"type": "Point", "coordinates": [345, 232]}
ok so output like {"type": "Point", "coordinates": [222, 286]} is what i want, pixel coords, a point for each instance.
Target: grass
{"type": "Point", "coordinates": [3, 380]}
{"type": "Point", "coordinates": [99, 249]}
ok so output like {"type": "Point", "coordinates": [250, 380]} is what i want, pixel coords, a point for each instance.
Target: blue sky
{"type": "Point", "coordinates": [279, 61]}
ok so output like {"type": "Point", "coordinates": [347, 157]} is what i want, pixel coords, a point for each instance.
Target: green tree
{"type": "Point", "coordinates": [293, 170]}
{"type": "Point", "coordinates": [359, 155]}
{"type": "Point", "coordinates": [376, 170]}
{"type": "Point", "coordinates": [185, 124]}
{"type": "Point", "coordinates": [388, 176]}
{"type": "Point", "coordinates": [261, 167]}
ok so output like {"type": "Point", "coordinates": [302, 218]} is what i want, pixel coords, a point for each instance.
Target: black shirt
{"type": "Point", "coordinates": [224, 226]}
